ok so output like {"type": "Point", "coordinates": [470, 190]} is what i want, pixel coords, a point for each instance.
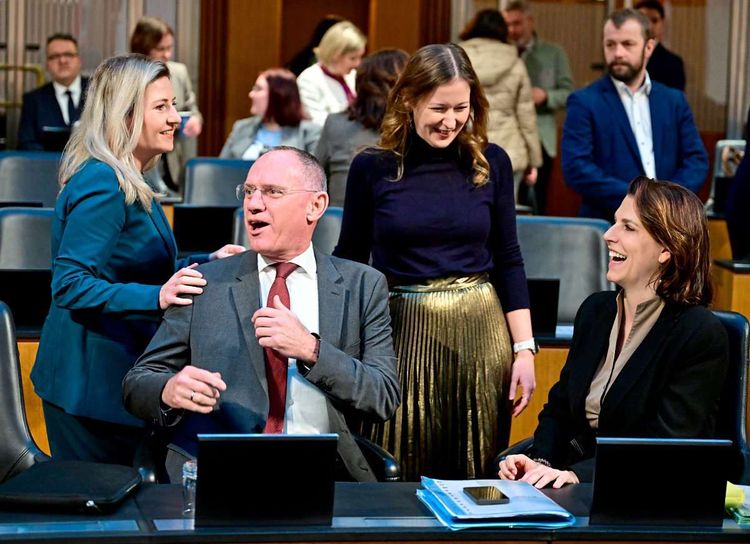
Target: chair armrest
{"type": "Point", "coordinates": [384, 465]}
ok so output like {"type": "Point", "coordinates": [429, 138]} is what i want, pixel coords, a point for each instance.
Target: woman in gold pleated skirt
{"type": "Point", "coordinates": [434, 206]}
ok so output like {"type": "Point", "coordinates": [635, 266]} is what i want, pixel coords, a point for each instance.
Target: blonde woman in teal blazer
{"type": "Point", "coordinates": [113, 262]}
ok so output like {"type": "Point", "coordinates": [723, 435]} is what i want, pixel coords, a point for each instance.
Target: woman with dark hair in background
{"type": "Point", "coordinates": [154, 38]}
{"type": "Point", "coordinates": [278, 118]}
{"type": "Point", "coordinates": [347, 132]}
{"type": "Point", "coordinates": [434, 205]}
{"type": "Point", "coordinates": [649, 360]}
{"type": "Point", "coordinates": [113, 262]}
{"type": "Point", "coordinates": [503, 75]}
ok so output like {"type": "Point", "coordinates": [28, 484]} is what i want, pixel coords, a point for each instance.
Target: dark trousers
{"type": "Point", "coordinates": [536, 195]}
{"type": "Point", "coordinates": [86, 439]}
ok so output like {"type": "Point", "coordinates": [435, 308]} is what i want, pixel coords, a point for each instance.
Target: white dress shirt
{"type": "Point", "coordinates": [62, 98]}
{"type": "Point", "coordinates": [306, 411]}
{"type": "Point", "coordinates": [639, 115]}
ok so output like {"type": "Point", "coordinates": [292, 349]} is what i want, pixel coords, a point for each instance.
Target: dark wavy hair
{"type": "Point", "coordinates": [376, 77]}
{"type": "Point", "coordinates": [674, 217]}
{"type": "Point", "coordinates": [429, 68]}
{"type": "Point", "coordinates": [487, 23]}
{"type": "Point", "coordinates": [147, 34]}
{"type": "Point", "coordinates": [284, 104]}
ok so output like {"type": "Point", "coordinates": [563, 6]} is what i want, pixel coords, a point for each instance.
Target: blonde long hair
{"type": "Point", "coordinates": [111, 124]}
{"type": "Point", "coordinates": [432, 66]}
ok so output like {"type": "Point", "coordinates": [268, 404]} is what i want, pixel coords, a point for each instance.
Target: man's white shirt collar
{"type": "Point", "coordinates": [305, 260]}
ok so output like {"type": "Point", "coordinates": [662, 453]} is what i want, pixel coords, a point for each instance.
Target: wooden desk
{"type": "Point", "coordinates": [732, 286]}
{"type": "Point", "coordinates": [32, 403]}
{"type": "Point", "coordinates": [719, 236]}
{"type": "Point", "coordinates": [548, 364]}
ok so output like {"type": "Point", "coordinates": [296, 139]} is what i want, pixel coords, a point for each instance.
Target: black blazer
{"type": "Point", "coordinates": [670, 387]}
{"type": "Point", "coordinates": [667, 68]}
{"type": "Point", "coordinates": [41, 109]}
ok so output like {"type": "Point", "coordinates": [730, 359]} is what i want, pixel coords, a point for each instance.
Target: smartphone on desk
{"type": "Point", "coordinates": [486, 494]}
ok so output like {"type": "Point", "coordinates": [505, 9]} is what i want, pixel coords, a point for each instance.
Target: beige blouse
{"type": "Point", "coordinates": [646, 315]}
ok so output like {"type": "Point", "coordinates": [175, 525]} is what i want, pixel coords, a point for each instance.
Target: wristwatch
{"type": "Point", "coordinates": [526, 344]}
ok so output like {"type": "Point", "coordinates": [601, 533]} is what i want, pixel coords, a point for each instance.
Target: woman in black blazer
{"type": "Point", "coordinates": [646, 361]}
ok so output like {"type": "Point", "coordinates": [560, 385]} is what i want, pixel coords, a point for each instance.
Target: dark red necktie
{"type": "Point", "coordinates": [276, 364]}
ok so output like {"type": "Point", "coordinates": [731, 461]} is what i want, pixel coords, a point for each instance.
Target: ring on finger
{"type": "Point", "coordinates": [192, 394]}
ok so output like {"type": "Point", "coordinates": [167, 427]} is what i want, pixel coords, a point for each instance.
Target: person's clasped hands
{"type": "Point", "coordinates": [521, 467]}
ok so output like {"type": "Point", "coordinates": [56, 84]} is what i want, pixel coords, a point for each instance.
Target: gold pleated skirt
{"type": "Point", "coordinates": [454, 360]}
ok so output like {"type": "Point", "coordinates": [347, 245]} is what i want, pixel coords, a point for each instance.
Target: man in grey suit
{"type": "Point", "coordinates": [205, 370]}
{"type": "Point", "coordinates": [551, 83]}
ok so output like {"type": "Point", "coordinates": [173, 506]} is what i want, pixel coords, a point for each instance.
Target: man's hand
{"type": "Point", "coordinates": [278, 328]}
{"type": "Point", "coordinates": [193, 389]}
{"type": "Point", "coordinates": [538, 95]}
{"type": "Point", "coordinates": [193, 127]}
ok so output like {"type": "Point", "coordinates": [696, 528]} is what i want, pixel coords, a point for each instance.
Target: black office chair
{"type": "Point", "coordinates": [570, 249]}
{"type": "Point", "coordinates": [18, 451]}
{"type": "Point", "coordinates": [211, 182]}
{"type": "Point", "coordinates": [325, 237]}
{"type": "Point", "coordinates": [731, 420]}
{"type": "Point", "coordinates": [28, 178]}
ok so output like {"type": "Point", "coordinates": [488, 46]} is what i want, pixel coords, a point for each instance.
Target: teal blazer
{"type": "Point", "coordinates": [109, 261]}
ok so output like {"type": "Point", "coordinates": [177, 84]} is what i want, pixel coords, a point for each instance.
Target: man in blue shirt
{"type": "Point", "coordinates": [625, 125]}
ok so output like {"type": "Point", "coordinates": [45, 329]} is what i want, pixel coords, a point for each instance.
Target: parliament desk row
{"type": "Point", "coordinates": [381, 512]}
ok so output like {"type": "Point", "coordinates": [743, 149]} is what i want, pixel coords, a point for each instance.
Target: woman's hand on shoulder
{"type": "Point", "coordinates": [521, 467]}
{"type": "Point", "coordinates": [186, 281]}
{"type": "Point", "coordinates": [522, 374]}
{"type": "Point", "coordinates": [226, 251]}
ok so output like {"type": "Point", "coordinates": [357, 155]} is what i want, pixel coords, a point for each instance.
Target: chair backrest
{"type": "Point", "coordinates": [29, 177]}
{"type": "Point", "coordinates": [17, 448]}
{"type": "Point", "coordinates": [731, 421]}
{"type": "Point", "coordinates": [211, 182]}
{"type": "Point", "coordinates": [325, 237]}
{"type": "Point", "coordinates": [570, 249]}
{"type": "Point", "coordinates": [25, 238]}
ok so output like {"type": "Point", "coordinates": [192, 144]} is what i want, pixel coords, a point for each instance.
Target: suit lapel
{"type": "Point", "coordinates": [331, 299]}
{"type": "Point", "coordinates": [55, 111]}
{"type": "Point", "coordinates": [246, 294]}
{"type": "Point", "coordinates": [162, 227]}
{"type": "Point", "coordinates": [596, 342]}
{"type": "Point", "coordinates": [642, 358]}
{"type": "Point", "coordinates": [621, 118]}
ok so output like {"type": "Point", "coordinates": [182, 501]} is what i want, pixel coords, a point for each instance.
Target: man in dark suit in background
{"type": "Point", "coordinates": [624, 125]}
{"type": "Point", "coordinates": [50, 111]}
{"type": "Point", "coordinates": [663, 66]}
{"type": "Point", "coordinates": [213, 367]}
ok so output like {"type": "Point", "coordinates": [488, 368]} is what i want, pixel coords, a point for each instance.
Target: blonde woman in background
{"type": "Point", "coordinates": [328, 86]}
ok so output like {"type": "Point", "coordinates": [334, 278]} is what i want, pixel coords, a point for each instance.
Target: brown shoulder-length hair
{"type": "Point", "coordinates": [147, 34]}
{"type": "Point", "coordinates": [674, 217]}
{"type": "Point", "coordinates": [284, 104]}
{"type": "Point", "coordinates": [376, 76]}
{"type": "Point", "coordinates": [429, 68]}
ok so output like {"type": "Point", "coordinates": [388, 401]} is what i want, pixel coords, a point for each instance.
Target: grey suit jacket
{"type": "Point", "coordinates": [305, 137]}
{"type": "Point", "coordinates": [549, 69]}
{"type": "Point", "coordinates": [356, 368]}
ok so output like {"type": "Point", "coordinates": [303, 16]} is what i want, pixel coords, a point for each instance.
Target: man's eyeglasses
{"type": "Point", "coordinates": [267, 193]}
{"type": "Point", "coordinates": [58, 56]}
